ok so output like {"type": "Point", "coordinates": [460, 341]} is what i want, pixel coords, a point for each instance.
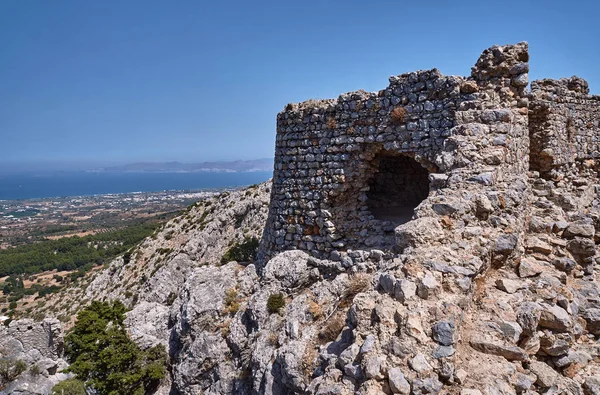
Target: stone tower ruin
{"type": "Point", "coordinates": [350, 171]}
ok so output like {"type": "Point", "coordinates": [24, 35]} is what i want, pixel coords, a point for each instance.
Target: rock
{"type": "Point", "coordinates": [524, 382]}
{"type": "Point", "coordinates": [443, 352]}
{"type": "Point", "coordinates": [511, 330]}
{"type": "Point", "coordinates": [444, 333]}
{"type": "Point", "coordinates": [430, 385]}
{"type": "Point", "coordinates": [506, 244]}
{"type": "Point", "coordinates": [428, 287]}
{"type": "Point", "coordinates": [530, 344]}
{"type": "Point", "coordinates": [554, 346]}
{"type": "Point", "coordinates": [565, 264]}
{"type": "Point", "coordinates": [371, 366]}
{"type": "Point", "coordinates": [470, 391]}
{"type": "Point", "coordinates": [579, 228]}
{"type": "Point", "coordinates": [461, 376]}
{"type": "Point", "coordinates": [591, 385]}
{"type": "Point", "coordinates": [582, 247]}
{"type": "Point", "coordinates": [536, 245]}
{"type": "Point", "coordinates": [528, 317]}
{"type": "Point", "coordinates": [397, 382]}
{"type": "Point", "coordinates": [556, 318]}
{"type": "Point", "coordinates": [511, 353]}
{"type": "Point", "coordinates": [419, 364]}
{"type": "Point", "coordinates": [404, 290]}
{"type": "Point", "coordinates": [546, 376]}
{"type": "Point", "coordinates": [387, 282]}
{"type": "Point", "coordinates": [420, 231]}
{"type": "Point", "coordinates": [581, 358]}
{"type": "Point", "coordinates": [592, 318]}
{"type": "Point", "coordinates": [509, 286]}
{"type": "Point", "coordinates": [354, 371]}
{"type": "Point", "coordinates": [348, 355]}
{"type": "Point", "coordinates": [289, 267]}
{"type": "Point", "coordinates": [368, 345]}
{"type": "Point", "coordinates": [529, 268]}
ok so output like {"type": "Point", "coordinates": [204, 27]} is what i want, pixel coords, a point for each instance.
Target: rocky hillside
{"type": "Point", "coordinates": [431, 319]}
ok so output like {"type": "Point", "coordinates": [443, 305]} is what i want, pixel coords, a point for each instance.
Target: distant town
{"type": "Point", "coordinates": [25, 221]}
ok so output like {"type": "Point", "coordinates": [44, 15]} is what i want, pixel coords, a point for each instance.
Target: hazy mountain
{"type": "Point", "coordinates": [265, 164]}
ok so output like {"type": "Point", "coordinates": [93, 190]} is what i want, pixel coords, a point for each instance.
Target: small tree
{"type": "Point", "coordinates": [104, 357]}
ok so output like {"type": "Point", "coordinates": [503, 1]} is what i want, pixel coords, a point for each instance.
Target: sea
{"type": "Point", "coordinates": [63, 184]}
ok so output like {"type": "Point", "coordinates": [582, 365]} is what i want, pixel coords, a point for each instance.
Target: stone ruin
{"type": "Point", "coordinates": [349, 171]}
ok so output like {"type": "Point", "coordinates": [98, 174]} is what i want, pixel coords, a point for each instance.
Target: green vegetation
{"type": "Point", "coordinates": [69, 387]}
{"type": "Point", "coordinates": [104, 357]}
{"type": "Point", "coordinates": [241, 252]}
{"type": "Point", "coordinates": [71, 253]}
{"type": "Point", "coordinates": [275, 303]}
{"type": "Point", "coordinates": [10, 369]}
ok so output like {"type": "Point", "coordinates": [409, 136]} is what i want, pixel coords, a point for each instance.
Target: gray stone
{"type": "Point", "coordinates": [505, 244]}
{"type": "Point", "coordinates": [591, 385]}
{"type": "Point", "coordinates": [419, 364]}
{"type": "Point", "coordinates": [556, 318]}
{"type": "Point", "coordinates": [443, 352]}
{"type": "Point", "coordinates": [397, 381]}
{"type": "Point", "coordinates": [444, 333]}
{"type": "Point", "coordinates": [511, 353]}
{"type": "Point", "coordinates": [546, 376]}
{"type": "Point", "coordinates": [509, 286]}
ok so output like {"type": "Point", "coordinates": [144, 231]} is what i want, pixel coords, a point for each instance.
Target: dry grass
{"type": "Point", "coordinates": [232, 304]}
{"type": "Point", "coordinates": [331, 123]}
{"type": "Point", "coordinates": [333, 326]}
{"type": "Point", "coordinates": [399, 114]}
{"type": "Point", "coordinates": [309, 360]}
{"type": "Point", "coordinates": [315, 310]}
{"type": "Point", "coordinates": [359, 282]}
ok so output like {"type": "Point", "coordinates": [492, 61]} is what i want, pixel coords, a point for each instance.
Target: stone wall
{"type": "Point", "coordinates": [564, 123]}
{"type": "Point", "coordinates": [460, 129]}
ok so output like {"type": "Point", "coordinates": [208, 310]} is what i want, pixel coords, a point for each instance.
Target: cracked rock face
{"type": "Point", "coordinates": [40, 346]}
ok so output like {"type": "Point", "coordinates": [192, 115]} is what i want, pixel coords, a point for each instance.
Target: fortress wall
{"type": "Point", "coordinates": [462, 130]}
{"type": "Point", "coordinates": [564, 123]}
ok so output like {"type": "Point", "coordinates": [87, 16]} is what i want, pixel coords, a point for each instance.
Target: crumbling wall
{"type": "Point", "coordinates": [564, 123]}
{"type": "Point", "coordinates": [461, 129]}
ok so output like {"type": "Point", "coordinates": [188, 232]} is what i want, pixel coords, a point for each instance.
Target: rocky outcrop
{"type": "Point", "coordinates": [38, 346]}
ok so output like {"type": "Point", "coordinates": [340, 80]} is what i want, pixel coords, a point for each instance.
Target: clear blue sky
{"type": "Point", "coordinates": [123, 81]}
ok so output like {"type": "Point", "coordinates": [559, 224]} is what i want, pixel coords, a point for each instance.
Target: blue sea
{"type": "Point", "coordinates": [15, 187]}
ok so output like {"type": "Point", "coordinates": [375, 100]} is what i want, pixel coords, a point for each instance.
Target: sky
{"type": "Point", "coordinates": [125, 81]}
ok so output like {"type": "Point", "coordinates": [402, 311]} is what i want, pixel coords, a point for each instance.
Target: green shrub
{"type": "Point", "coordinates": [104, 357]}
{"type": "Point", "coordinates": [69, 387]}
{"type": "Point", "coordinates": [10, 369]}
{"type": "Point", "coordinates": [275, 303]}
{"type": "Point", "coordinates": [241, 252]}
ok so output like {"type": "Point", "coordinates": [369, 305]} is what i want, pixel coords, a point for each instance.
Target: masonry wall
{"type": "Point", "coordinates": [460, 129]}
{"type": "Point", "coordinates": [564, 123]}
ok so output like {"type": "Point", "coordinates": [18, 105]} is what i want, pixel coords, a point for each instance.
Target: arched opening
{"type": "Point", "coordinates": [398, 186]}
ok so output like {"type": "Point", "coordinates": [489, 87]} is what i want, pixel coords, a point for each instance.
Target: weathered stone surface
{"type": "Point", "coordinates": [397, 381]}
{"type": "Point", "coordinates": [546, 376]}
{"type": "Point", "coordinates": [420, 231]}
{"type": "Point", "coordinates": [444, 333]}
{"type": "Point", "coordinates": [511, 353]}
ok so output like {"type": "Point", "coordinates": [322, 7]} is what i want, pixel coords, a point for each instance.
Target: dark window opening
{"type": "Point", "coordinates": [399, 185]}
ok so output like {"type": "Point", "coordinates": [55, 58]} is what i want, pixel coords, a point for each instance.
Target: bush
{"type": "Point", "coordinates": [104, 357]}
{"type": "Point", "coordinates": [242, 252]}
{"type": "Point", "coordinates": [10, 369]}
{"type": "Point", "coordinates": [69, 387]}
{"type": "Point", "coordinates": [275, 303]}
{"type": "Point", "coordinates": [399, 114]}
{"type": "Point", "coordinates": [232, 305]}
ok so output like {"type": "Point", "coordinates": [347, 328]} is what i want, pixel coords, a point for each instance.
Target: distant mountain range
{"type": "Point", "coordinates": [238, 166]}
